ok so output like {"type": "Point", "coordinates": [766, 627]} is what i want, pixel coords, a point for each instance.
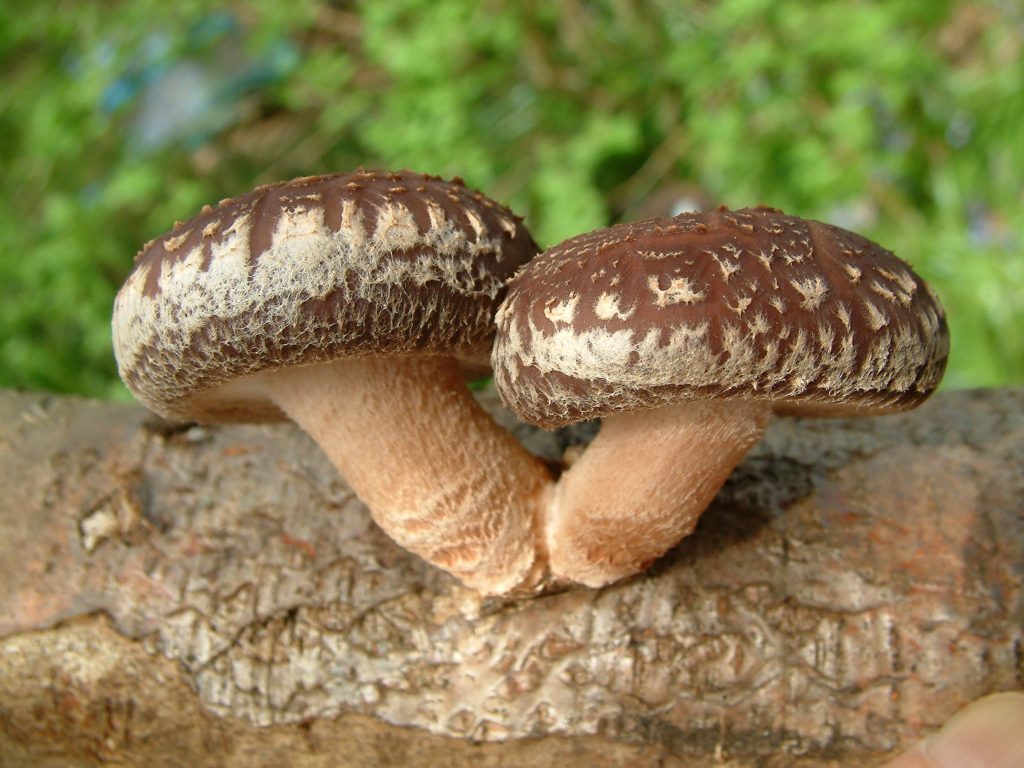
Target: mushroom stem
{"type": "Point", "coordinates": [437, 473]}
{"type": "Point", "coordinates": [642, 484]}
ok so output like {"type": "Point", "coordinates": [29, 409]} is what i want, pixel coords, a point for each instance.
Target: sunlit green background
{"type": "Point", "coordinates": [902, 119]}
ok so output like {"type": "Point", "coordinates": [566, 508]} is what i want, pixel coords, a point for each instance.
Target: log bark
{"type": "Point", "coordinates": [174, 595]}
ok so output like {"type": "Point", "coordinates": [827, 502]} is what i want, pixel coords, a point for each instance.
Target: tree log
{"type": "Point", "coordinates": [181, 595]}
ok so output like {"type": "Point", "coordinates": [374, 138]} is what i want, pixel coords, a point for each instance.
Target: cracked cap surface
{"type": "Point", "coordinates": [311, 270]}
{"type": "Point", "coordinates": [749, 303]}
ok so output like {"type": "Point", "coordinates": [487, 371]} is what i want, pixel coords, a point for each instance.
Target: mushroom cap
{"type": "Point", "coordinates": [750, 304]}
{"type": "Point", "coordinates": [308, 271]}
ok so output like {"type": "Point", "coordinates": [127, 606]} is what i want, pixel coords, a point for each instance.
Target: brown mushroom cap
{"type": "Point", "coordinates": [750, 304]}
{"type": "Point", "coordinates": [307, 271]}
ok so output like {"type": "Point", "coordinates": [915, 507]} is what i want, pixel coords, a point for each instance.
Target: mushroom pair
{"type": "Point", "coordinates": [355, 304]}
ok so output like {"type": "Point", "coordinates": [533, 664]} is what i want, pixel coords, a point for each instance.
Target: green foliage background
{"type": "Point", "coordinates": [900, 119]}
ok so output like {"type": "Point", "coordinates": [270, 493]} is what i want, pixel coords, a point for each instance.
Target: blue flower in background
{"type": "Point", "coordinates": [188, 89]}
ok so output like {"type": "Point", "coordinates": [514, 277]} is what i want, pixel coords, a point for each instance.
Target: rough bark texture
{"type": "Point", "coordinates": [207, 597]}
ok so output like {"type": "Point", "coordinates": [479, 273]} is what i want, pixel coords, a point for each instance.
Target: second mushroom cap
{"type": "Point", "coordinates": [749, 303]}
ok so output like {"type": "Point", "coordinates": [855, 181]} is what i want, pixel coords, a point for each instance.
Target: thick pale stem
{"type": "Point", "coordinates": [438, 475]}
{"type": "Point", "coordinates": [642, 484]}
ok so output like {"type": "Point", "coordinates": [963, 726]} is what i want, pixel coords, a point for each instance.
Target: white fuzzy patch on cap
{"type": "Point", "coordinates": [680, 290]}
{"type": "Point", "coordinates": [812, 291]}
{"type": "Point", "coordinates": [843, 313]}
{"type": "Point", "coordinates": [759, 326]}
{"type": "Point", "coordinates": [727, 266]}
{"type": "Point", "coordinates": [607, 307]}
{"type": "Point", "coordinates": [742, 302]}
{"type": "Point", "coordinates": [876, 319]}
{"type": "Point", "coordinates": [882, 291]}
{"type": "Point", "coordinates": [563, 311]}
